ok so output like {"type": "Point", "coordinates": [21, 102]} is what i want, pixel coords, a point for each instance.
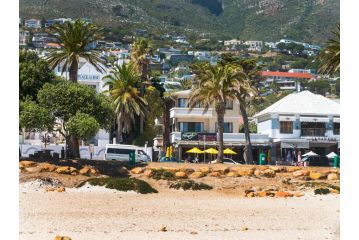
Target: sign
{"type": "Point", "coordinates": [88, 77]}
{"type": "Point", "coordinates": [198, 136]}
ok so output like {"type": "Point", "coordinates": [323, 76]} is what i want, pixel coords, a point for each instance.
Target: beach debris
{"type": "Point", "coordinates": [58, 237]}
{"type": "Point", "coordinates": [301, 173]}
{"type": "Point", "coordinates": [163, 228]}
{"type": "Point", "coordinates": [333, 176]}
{"type": "Point", "coordinates": [321, 191]}
{"type": "Point", "coordinates": [137, 170]}
{"type": "Point", "coordinates": [283, 194]}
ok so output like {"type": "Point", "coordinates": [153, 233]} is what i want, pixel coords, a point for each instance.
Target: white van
{"type": "Point", "coordinates": [121, 152]}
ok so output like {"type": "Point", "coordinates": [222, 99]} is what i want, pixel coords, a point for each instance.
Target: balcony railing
{"type": "Point", "coordinates": [184, 112]}
{"type": "Point", "coordinates": [313, 131]}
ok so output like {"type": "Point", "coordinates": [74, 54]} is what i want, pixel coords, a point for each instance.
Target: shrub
{"type": "Point", "coordinates": [122, 184]}
{"type": "Point", "coordinates": [163, 174]}
{"type": "Point", "coordinates": [190, 184]}
{"type": "Point", "coordinates": [321, 191]}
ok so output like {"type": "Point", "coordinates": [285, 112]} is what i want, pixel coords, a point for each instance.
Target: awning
{"type": "Point", "coordinates": [336, 120]}
{"type": "Point", "coordinates": [287, 118]}
{"type": "Point", "coordinates": [295, 144]}
{"type": "Point", "coordinates": [314, 119]}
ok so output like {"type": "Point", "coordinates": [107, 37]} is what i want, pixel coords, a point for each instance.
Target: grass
{"type": "Point", "coordinates": [190, 185]}
{"type": "Point", "coordinates": [163, 174]}
{"type": "Point", "coordinates": [122, 184]}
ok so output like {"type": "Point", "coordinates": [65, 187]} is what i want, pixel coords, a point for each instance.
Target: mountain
{"type": "Point", "coordinates": [269, 20]}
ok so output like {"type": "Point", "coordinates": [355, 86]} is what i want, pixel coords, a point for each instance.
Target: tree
{"type": "Point", "coordinates": [35, 118]}
{"type": "Point", "coordinates": [74, 38]}
{"type": "Point", "coordinates": [64, 100]}
{"type": "Point", "coordinates": [213, 86]}
{"type": "Point", "coordinates": [319, 86]}
{"type": "Point", "coordinates": [124, 92]}
{"type": "Point", "coordinates": [330, 55]}
{"type": "Point", "coordinates": [83, 126]}
{"type": "Point", "coordinates": [33, 74]}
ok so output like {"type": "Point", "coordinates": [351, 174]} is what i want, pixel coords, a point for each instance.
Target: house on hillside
{"type": "Point", "coordinates": [23, 37]}
{"type": "Point", "coordinates": [33, 23]}
{"type": "Point", "coordinates": [285, 80]}
{"type": "Point", "coordinates": [303, 122]}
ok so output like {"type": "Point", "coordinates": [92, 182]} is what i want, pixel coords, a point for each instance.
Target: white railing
{"type": "Point", "coordinates": [184, 112]}
{"type": "Point", "coordinates": [230, 137]}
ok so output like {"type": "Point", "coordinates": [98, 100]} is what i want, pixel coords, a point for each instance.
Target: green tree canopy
{"type": "Point", "coordinates": [33, 74]}
{"type": "Point", "coordinates": [35, 118]}
{"type": "Point", "coordinates": [83, 126]}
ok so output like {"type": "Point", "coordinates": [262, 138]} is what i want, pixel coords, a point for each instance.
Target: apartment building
{"type": "Point", "coordinates": [285, 80]}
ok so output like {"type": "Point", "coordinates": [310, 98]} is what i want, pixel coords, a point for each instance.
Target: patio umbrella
{"type": "Point", "coordinates": [332, 155]}
{"type": "Point", "coordinates": [194, 150]}
{"type": "Point", "coordinates": [311, 153]}
{"type": "Point", "coordinates": [229, 151]}
{"type": "Point", "coordinates": [211, 151]}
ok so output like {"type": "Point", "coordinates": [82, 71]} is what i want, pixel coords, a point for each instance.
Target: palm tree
{"type": "Point", "coordinates": [74, 38]}
{"type": "Point", "coordinates": [214, 85]}
{"type": "Point", "coordinates": [330, 56]}
{"type": "Point", "coordinates": [141, 48]}
{"type": "Point", "coordinates": [124, 92]}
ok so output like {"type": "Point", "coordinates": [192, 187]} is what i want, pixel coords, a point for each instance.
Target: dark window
{"type": "Point", "coordinates": [229, 104]}
{"type": "Point", "coordinates": [227, 128]}
{"type": "Point", "coordinates": [286, 127]}
{"type": "Point", "coordinates": [191, 126]}
{"type": "Point", "coordinates": [119, 151]}
{"type": "Point", "coordinates": [336, 130]}
{"type": "Point", "coordinates": [313, 128]}
{"type": "Point", "coordinates": [183, 102]}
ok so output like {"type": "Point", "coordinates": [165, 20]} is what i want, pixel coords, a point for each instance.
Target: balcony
{"type": "Point", "coordinates": [314, 132]}
{"type": "Point", "coordinates": [195, 112]}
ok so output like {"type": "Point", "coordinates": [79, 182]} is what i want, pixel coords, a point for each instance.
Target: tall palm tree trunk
{"type": "Point", "coordinates": [166, 123]}
{"type": "Point", "coordinates": [220, 121]}
{"type": "Point", "coordinates": [248, 155]}
{"type": "Point", "coordinates": [119, 138]}
{"type": "Point", "coordinates": [74, 67]}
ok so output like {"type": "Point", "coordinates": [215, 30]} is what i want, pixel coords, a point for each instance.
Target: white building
{"type": "Point", "coordinates": [23, 37]}
{"type": "Point", "coordinates": [301, 121]}
{"type": "Point", "coordinates": [33, 23]}
{"type": "Point", "coordinates": [232, 42]}
{"type": "Point", "coordinates": [255, 46]}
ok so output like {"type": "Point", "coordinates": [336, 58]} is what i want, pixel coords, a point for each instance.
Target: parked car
{"type": "Point", "coordinates": [121, 152]}
{"type": "Point", "coordinates": [316, 161]}
{"type": "Point", "coordinates": [227, 161]}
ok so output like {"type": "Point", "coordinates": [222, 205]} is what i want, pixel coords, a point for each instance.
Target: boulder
{"type": "Point", "coordinates": [197, 175]}
{"type": "Point", "coordinates": [257, 172]}
{"type": "Point", "coordinates": [293, 169]}
{"type": "Point", "coordinates": [73, 171]}
{"type": "Point", "coordinates": [60, 189]}
{"type": "Point", "coordinates": [94, 171]}
{"type": "Point", "coordinates": [27, 164]}
{"type": "Point", "coordinates": [47, 167]}
{"type": "Point", "coordinates": [63, 170]}
{"type": "Point", "coordinates": [333, 176]}
{"type": "Point", "coordinates": [250, 194]}
{"type": "Point", "coordinates": [137, 170]}
{"type": "Point", "coordinates": [33, 169]}
{"type": "Point", "coordinates": [181, 175]}
{"type": "Point", "coordinates": [234, 169]}
{"type": "Point", "coordinates": [205, 170]}
{"type": "Point", "coordinates": [215, 174]}
{"type": "Point", "coordinates": [148, 173]}
{"type": "Point", "coordinates": [171, 169]}
{"type": "Point", "coordinates": [262, 168]}
{"type": "Point", "coordinates": [298, 194]}
{"type": "Point", "coordinates": [85, 171]}
{"type": "Point", "coordinates": [123, 171]}
{"type": "Point", "coordinates": [269, 173]}
{"type": "Point", "coordinates": [336, 191]}
{"type": "Point", "coordinates": [261, 194]}
{"type": "Point", "coordinates": [301, 173]}
{"type": "Point", "coordinates": [284, 194]}
{"type": "Point", "coordinates": [245, 172]}
{"type": "Point", "coordinates": [335, 171]}
{"type": "Point", "coordinates": [315, 175]}
{"type": "Point", "coordinates": [223, 170]}
{"type": "Point", "coordinates": [232, 174]}
{"type": "Point", "coordinates": [271, 188]}
{"type": "Point", "coordinates": [163, 229]}
{"type": "Point", "coordinates": [277, 168]}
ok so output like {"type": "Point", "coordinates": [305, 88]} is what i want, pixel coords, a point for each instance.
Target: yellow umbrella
{"type": "Point", "coordinates": [211, 151]}
{"type": "Point", "coordinates": [229, 151]}
{"type": "Point", "coordinates": [194, 150]}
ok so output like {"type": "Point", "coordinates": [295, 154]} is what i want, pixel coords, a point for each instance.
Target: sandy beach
{"type": "Point", "coordinates": [99, 213]}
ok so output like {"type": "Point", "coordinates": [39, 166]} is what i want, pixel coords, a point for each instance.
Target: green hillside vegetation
{"type": "Point", "coordinates": [270, 20]}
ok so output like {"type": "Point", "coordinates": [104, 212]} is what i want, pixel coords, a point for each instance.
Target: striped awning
{"type": "Point", "coordinates": [295, 144]}
{"type": "Point", "coordinates": [336, 120]}
{"type": "Point", "coordinates": [314, 119]}
{"type": "Point", "coordinates": [287, 118]}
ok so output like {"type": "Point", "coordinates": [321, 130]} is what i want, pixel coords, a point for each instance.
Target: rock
{"type": "Point", "coordinates": [85, 171]}
{"type": "Point", "coordinates": [27, 164]}
{"type": "Point", "coordinates": [262, 168]}
{"type": "Point", "coordinates": [293, 169]}
{"type": "Point", "coordinates": [301, 173]}
{"type": "Point", "coordinates": [63, 170]}
{"type": "Point", "coordinates": [257, 172]}
{"type": "Point", "coordinates": [60, 189]}
{"type": "Point", "coordinates": [336, 191]}
{"type": "Point", "coordinates": [62, 238]}
{"type": "Point", "coordinates": [205, 170]}
{"type": "Point", "coordinates": [197, 175]}
{"type": "Point", "coordinates": [171, 169]}
{"type": "Point", "coordinates": [244, 229]}
{"type": "Point", "coordinates": [333, 176]}
{"type": "Point", "coordinates": [94, 171]}
{"type": "Point", "coordinates": [286, 181]}
{"type": "Point", "coordinates": [215, 174]}
{"type": "Point", "coordinates": [223, 170]}
{"type": "Point", "coordinates": [181, 175]}
{"type": "Point", "coordinates": [47, 167]}
{"type": "Point", "coordinates": [278, 168]}
{"type": "Point", "coordinates": [315, 175]}
{"type": "Point", "coordinates": [50, 189]}
{"type": "Point", "coordinates": [271, 189]}
{"type": "Point", "coordinates": [284, 194]}
{"type": "Point", "coordinates": [232, 174]}
{"type": "Point", "coordinates": [250, 194]}
{"type": "Point", "coordinates": [298, 194]}
{"type": "Point", "coordinates": [245, 172]}
{"type": "Point", "coordinates": [148, 173]}
{"type": "Point", "coordinates": [270, 194]}
{"type": "Point", "coordinates": [234, 169]}
{"type": "Point", "coordinates": [163, 229]}
{"type": "Point", "coordinates": [335, 171]}
{"type": "Point", "coordinates": [261, 194]}
{"type": "Point", "coordinates": [137, 170]}
{"type": "Point", "coordinates": [269, 173]}
{"type": "Point", "coordinates": [33, 169]}
{"type": "Point", "coordinates": [250, 190]}
{"type": "Point", "coordinates": [73, 171]}
{"type": "Point", "coordinates": [194, 232]}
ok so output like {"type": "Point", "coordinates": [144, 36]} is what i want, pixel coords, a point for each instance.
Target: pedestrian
{"type": "Point", "coordinates": [299, 158]}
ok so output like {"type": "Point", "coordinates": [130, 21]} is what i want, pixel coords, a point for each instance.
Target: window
{"type": "Point", "coordinates": [229, 104]}
{"type": "Point", "coordinates": [336, 130]}
{"type": "Point", "coordinates": [119, 151]}
{"type": "Point", "coordinates": [286, 127]}
{"type": "Point", "coordinates": [227, 128]}
{"type": "Point", "coordinates": [191, 126]}
{"type": "Point", "coordinates": [183, 102]}
{"type": "Point", "coordinates": [313, 128]}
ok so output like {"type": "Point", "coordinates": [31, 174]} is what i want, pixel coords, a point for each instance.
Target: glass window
{"type": "Point", "coordinates": [227, 128]}
{"type": "Point", "coordinates": [191, 126]}
{"type": "Point", "coordinates": [183, 102]}
{"type": "Point", "coordinates": [336, 128]}
{"type": "Point", "coordinates": [229, 104]}
{"type": "Point", "coordinates": [286, 127]}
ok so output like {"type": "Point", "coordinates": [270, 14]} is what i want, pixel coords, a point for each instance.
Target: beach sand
{"type": "Point", "coordinates": [102, 214]}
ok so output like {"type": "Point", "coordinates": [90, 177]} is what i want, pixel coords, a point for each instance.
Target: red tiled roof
{"type": "Point", "coordinates": [286, 74]}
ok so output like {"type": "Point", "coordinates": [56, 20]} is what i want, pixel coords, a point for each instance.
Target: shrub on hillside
{"type": "Point", "coordinates": [190, 184]}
